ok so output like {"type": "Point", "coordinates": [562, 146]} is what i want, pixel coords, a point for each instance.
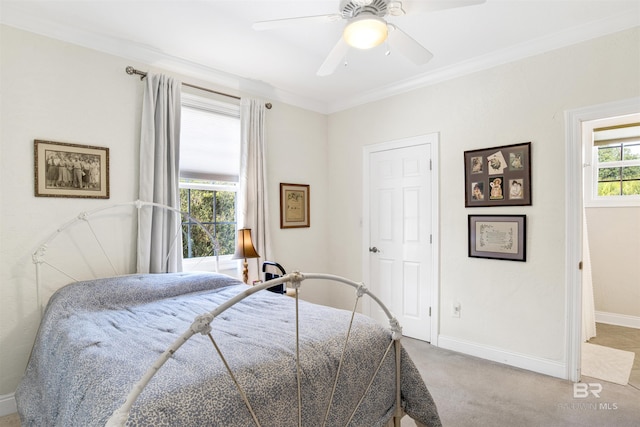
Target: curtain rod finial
{"type": "Point", "coordinates": [131, 71]}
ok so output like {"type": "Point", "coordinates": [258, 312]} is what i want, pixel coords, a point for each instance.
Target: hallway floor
{"type": "Point", "coordinates": [621, 338]}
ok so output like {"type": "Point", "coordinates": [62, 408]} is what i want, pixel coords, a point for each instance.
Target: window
{"type": "Point", "coordinates": [209, 170]}
{"type": "Point", "coordinates": [619, 170]}
{"type": "Point", "coordinates": [614, 172]}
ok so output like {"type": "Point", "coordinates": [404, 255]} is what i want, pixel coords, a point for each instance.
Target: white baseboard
{"type": "Point", "coordinates": [618, 319]}
{"type": "Point", "coordinates": [7, 404]}
{"type": "Point", "coordinates": [523, 361]}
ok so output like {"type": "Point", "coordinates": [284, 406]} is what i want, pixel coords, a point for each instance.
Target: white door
{"type": "Point", "coordinates": [400, 236]}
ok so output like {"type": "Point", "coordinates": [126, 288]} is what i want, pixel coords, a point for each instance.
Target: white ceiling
{"type": "Point", "coordinates": [214, 40]}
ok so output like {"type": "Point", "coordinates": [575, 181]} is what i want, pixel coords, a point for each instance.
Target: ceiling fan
{"type": "Point", "coordinates": [367, 28]}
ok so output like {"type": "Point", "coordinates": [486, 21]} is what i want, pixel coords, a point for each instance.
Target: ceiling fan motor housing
{"type": "Point", "coordinates": [352, 8]}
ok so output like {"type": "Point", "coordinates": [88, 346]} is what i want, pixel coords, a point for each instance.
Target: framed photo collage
{"type": "Point", "coordinates": [498, 176]}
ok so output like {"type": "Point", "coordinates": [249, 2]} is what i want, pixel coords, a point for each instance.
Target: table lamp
{"type": "Point", "coordinates": [245, 250]}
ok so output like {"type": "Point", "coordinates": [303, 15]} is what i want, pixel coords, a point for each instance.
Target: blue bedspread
{"type": "Point", "coordinates": [97, 338]}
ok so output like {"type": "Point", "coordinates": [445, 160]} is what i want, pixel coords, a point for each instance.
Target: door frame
{"type": "Point", "coordinates": [434, 140]}
{"type": "Point", "coordinates": [573, 221]}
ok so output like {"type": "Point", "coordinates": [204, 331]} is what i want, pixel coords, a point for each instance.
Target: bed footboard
{"type": "Point", "coordinates": [202, 325]}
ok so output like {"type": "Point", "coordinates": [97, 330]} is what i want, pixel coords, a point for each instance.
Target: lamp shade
{"type": "Point", "coordinates": [245, 248]}
{"type": "Point", "coordinates": [365, 31]}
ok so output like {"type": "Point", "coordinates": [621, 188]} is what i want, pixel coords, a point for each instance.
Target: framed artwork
{"type": "Point", "coordinates": [294, 206]}
{"type": "Point", "coordinates": [498, 176]}
{"type": "Point", "coordinates": [498, 237]}
{"type": "Point", "coordinates": [71, 170]}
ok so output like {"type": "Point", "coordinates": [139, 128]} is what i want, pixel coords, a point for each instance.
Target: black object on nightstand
{"type": "Point", "coordinates": [273, 270]}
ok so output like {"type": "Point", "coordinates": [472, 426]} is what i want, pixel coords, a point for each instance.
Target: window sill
{"type": "Point", "coordinates": [225, 265]}
{"type": "Point", "coordinates": [614, 203]}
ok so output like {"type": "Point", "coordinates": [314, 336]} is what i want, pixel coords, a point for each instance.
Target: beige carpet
{"type": "Point", "coordinates": [605, 363]}
{"type": "Point", "coordinates": [10, 421]}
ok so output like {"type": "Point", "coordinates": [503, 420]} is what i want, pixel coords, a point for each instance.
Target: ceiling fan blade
{"type": "Point", "coordinates": [286, 22]}
{"type": "Point", "coordinates": [435, 5]}
{"type": "Point", "coordinates": [335, 56]}
{"type": "Point", "coordinates": [410, 48]}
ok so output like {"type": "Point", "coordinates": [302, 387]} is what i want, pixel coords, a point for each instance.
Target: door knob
{"type": "Point", "coordinates": [374, 250]}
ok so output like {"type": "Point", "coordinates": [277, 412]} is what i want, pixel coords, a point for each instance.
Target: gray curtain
{"type": "Point", "coordinates": [253, 197]}
{"type": "Point", "coordinates": [159, 230]}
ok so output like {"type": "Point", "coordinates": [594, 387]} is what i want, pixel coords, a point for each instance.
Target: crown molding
{"type": "Point", "coordinates": [534, 47]}
{"type": "Point", "coordinates": [155, 58]}
{"type": "Point", "coordinates": [148, 55]}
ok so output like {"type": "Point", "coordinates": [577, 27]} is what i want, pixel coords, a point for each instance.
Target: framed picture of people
{"type": "Point", "coordinates": [498, 176]}
{"type": "Point", "coordinates": [71, 170]}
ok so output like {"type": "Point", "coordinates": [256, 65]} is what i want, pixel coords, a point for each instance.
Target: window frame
{"type": "Point", "coordinates": [214, 106]}
{"type": "Point", "coordinates": [223, 262]}
{"type": "Point", "coordinates": [592, 164]}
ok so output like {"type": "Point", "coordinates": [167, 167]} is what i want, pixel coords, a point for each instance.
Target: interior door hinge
{"type": "Point", "coordinates": [429, 311]}
{"type": "Point", "coordinates": [431, 238]}
{"type": "Point", "coordinates": [580, 265]}
{"type": "Point", "coordinates": [430, 164]}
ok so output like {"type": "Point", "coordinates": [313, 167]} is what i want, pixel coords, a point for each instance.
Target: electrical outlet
{"type": "Point", "coordinates": [455, 310]}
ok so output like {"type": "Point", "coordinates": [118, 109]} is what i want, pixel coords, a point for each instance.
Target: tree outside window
{"type": "Point", "coordinates": [216, 211]}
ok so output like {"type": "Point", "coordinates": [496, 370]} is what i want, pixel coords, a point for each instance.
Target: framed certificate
{"type": "Point", "coordinates": [498, 237]}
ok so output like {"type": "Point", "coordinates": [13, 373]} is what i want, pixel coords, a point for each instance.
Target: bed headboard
{"type": "Point", "coordinates": [96, 243]}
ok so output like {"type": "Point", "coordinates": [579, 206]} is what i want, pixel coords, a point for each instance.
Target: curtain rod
{"type": "Point", "coordinates": [131, 71]}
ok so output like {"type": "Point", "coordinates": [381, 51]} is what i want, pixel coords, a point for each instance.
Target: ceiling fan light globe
{"type": "Point", "coordinates": [365, 32]}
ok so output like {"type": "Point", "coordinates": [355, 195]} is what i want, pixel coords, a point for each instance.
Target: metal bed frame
{"type": "Point", "coordinates": [202, 323]}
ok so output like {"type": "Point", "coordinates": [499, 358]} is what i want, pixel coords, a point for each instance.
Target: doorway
{"type": "Point", "coordinates": [610, 279]}
{"type": "Point", "coordinates": [400, 233]}
{"type": "Point", "coordinates": [577, 159]}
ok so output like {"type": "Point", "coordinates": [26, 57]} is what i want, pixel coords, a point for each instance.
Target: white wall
{"type": "Point", "coordinates": [513, 312]}
{"type": "Point", "coordinates": [57, 91]}
{"type": "Point", "coordinates": [297, 154]}
{"type": "Point", "coordinates": [614, 241]}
